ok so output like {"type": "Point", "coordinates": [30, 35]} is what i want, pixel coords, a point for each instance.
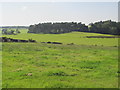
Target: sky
{"type": "Point", "coordinates": [30, 13]}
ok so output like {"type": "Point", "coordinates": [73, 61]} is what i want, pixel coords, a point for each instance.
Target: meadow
{"type": "Point", "coordinates": [78, 38]}
{"type": "Point", "coordinates": [88, 63]}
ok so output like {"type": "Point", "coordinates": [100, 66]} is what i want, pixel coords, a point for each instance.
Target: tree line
{"type": "Point", "coordinates": [10, 32]}
{"type": "Point", "coordinates": [104, 27]}
{"type": "Point", "coordinates": [57, 28]}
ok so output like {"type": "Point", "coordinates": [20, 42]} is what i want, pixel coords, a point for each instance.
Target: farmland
{"type": "Point", "coordinates": [74, 37]}
{"type": "Point", "coordinates": [87, 63]}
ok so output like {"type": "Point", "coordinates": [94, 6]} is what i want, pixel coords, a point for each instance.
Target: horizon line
{"type": "Point", "coordinates": [60, 22]}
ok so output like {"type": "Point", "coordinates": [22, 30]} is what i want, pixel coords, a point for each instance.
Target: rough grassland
{"type": "Point", "coordinates": [74, 37]}
{"type": "Point", "coordinates": [82, 65]}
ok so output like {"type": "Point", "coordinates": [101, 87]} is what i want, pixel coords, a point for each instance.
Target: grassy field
{"type": "Point", "coordinates": [74, 37]}
{"type": "Point", "coordinates": [89, 63]}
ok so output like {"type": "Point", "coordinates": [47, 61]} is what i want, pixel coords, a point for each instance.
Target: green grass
{"type": "Point", "coordinates": [89, 63]}
{"type": "Point", "coordinates": [74, 37]}
{"type": "Point", "coordinates": [59, 66]}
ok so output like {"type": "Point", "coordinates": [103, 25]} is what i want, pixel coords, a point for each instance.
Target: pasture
{"type": "Point", "coordinates": [88, 63]}
{"type": "Point", "coordinates": [78, 38]}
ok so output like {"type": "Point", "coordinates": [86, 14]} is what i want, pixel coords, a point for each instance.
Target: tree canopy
{"type": "Point", "coordinates": [10, 32]}
{"type": "Point", "coordinates": [57, 28]}
{"type": "Point", "coordinates": [104, 27]}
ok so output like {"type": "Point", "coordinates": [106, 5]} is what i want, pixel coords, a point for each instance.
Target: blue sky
{"type": "Point", "coordinates": [24, 13]}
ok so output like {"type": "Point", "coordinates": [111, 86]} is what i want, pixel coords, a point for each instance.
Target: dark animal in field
{"type": "Point", "coordinates": [5, 39]}
{"type": "Point", "coordinates": [103, 36]}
